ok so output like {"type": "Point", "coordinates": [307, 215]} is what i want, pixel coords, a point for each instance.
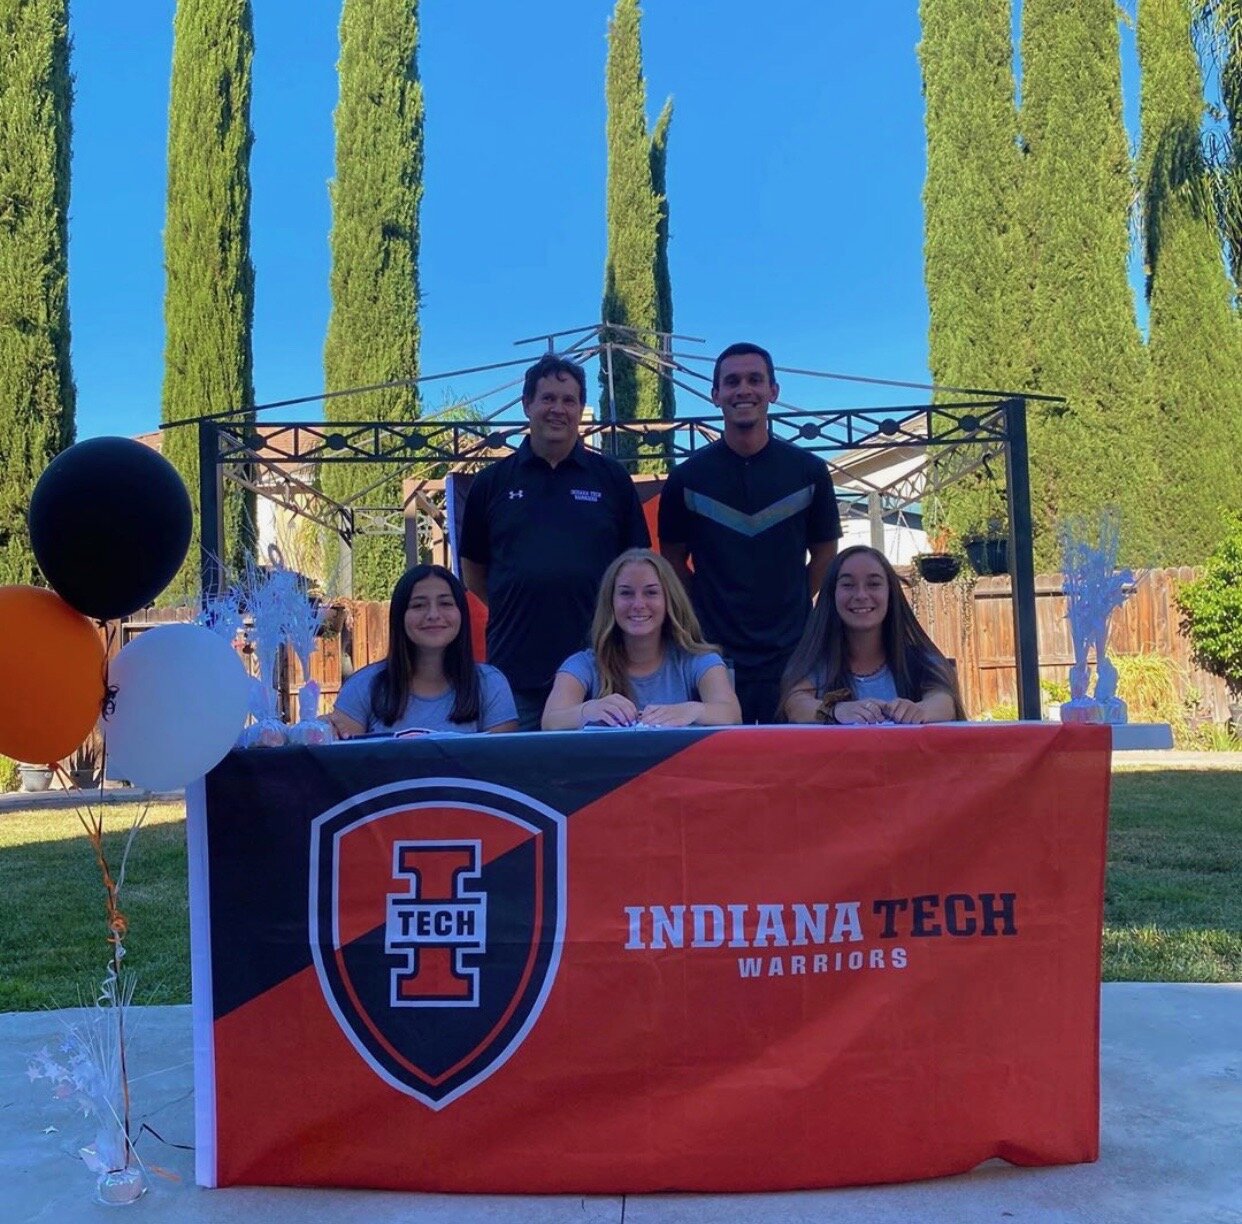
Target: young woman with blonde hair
{"type": "Point", "coordinates": [648, 663]}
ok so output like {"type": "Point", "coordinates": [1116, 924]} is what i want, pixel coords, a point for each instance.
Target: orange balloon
{"type": "Point", "coordinates": [52, 666]}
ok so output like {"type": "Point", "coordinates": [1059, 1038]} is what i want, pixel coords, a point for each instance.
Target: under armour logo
{"type": "Point", "coordinates": [515, 493]}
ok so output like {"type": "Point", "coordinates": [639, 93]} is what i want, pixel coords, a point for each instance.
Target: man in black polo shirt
{"type": "Point", "coordinates": [540, 528]}
{"type": "Point", "coordinates": [749, 511]}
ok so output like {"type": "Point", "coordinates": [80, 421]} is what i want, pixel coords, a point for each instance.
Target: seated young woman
{"type": "Point", "coordinates": [649, 663]}
{"type": "Point", "coordinates": [429, 679]}
{"type": "Point", "coordinates": [864, 657]}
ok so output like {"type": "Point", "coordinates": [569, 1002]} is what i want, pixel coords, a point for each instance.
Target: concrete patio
{"type": "Point", "coordinates": [1171, 1142]}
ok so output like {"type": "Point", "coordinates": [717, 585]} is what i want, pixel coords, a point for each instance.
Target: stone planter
{"type": "Point", "coordinates": [35, 777]}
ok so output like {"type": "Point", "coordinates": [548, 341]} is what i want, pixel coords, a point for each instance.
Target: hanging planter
{"type": "Point", "coordinates": [987, 555]}
{"type": "Point", "coordinates": [937, 567]}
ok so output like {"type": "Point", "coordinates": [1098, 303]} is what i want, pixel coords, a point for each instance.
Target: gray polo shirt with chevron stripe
{"type": "Point", "coordinates": [748, 524]}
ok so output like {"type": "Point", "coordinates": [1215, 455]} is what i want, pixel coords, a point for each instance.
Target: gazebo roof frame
{"type": "Point", "coordinates": [956, 435]}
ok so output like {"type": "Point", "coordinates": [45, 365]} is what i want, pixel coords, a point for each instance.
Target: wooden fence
{"type": "Point", "coordinates": [973, 625]}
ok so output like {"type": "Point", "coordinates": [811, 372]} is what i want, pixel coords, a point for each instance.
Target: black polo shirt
{"type": "Point", "coordinates": [546, 535]}
{"type": "Point", "coordinates": [748, 523]}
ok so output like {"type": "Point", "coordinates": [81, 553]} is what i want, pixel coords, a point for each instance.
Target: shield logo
{"type": "Point", "coordinates": [437, 916]}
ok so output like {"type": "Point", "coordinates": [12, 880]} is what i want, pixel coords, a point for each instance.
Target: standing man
{"type": "Point", "coordinates": [749, 511]}
{"type": "Point", "coordinates": [540, 528]}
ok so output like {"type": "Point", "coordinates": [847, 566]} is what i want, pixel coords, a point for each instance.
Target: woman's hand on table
{"type": "Point", "coordinates": [903, 710]}
{"type": "Point", "coordinates": [614, 710]}
{"type": "Point", "coordinates": [682, 714]}
{"type": "Point", "coordinates": [865, 711]}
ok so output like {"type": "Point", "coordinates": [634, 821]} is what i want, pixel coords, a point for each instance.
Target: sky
{"type": "Point", "coordinates": [795, 173]}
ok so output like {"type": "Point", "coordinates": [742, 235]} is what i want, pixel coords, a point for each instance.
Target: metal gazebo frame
{"type": "Point", "coordinates": [958, 435]}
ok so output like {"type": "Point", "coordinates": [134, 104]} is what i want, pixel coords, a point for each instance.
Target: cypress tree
{"type": "Point", "coordinates": [1220, 24]}
{"type": "Point", "coordinates": [1193, 344]}
{"type": "Point", "coordinates": [974, 258]}
{"type": "Point", "coordinates": [209, 279]}
{"type": "Point", "coordinates": [1077, 185]}
{"type": "Point", "coordinates": [663, 280]}
{"type": "Point", "coordinates": [373, 329]}
{"type": "Point", "coordinates": [37, 397]}
{"type": "Point", "coordinates": [637, 292]}
{"type": "Point", "coordinates": [1231, 95]}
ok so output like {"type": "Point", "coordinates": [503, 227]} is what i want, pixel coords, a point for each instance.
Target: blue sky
{"type": "Point", "coordinates": [795, 175]}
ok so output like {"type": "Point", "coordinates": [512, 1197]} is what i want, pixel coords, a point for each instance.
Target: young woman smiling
{"type": "Point", "coordinates": [429, 680]}
{"type": "Point", "coordinates": [648, 663]}
{"type": "Point", "coordinates": [864, 657]}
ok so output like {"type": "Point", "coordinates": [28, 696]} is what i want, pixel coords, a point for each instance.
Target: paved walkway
{"type": "Point", "coordinates": [31, 801]}
{"type": "Point", "coordinates": [1174, 758]}
{"type": "Point", "coordinates": [1171, 1143]}
{"type": "Point", "coordinates": [1170, 758]}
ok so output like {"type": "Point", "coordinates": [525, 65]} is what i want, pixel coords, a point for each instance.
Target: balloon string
{"type": "Point", "coordinates": [108, 705]}
{"type": "Point", "coordinates": [113, 991]}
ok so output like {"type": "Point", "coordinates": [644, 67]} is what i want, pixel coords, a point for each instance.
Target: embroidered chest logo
{"type": "Point", "coordinates": [516, 493]}
{"type": "Point", "coordinates": [586, 495]}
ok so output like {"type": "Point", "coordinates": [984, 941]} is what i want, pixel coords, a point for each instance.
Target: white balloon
{"type": "Point", "coordinates": [181, 698]}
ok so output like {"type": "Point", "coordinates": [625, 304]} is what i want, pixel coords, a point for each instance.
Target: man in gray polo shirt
{"type": "Point", "coordinates": [758, 517]}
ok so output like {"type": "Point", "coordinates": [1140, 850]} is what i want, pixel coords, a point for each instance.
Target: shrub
{"type": "Point", "coordinates": [1211, 608]}
{"type": "Point", "coordinates": [1053, 693]}
{"type": "Point", "coordinates": [1147, 683]}
{"type": "Point", "coordinates": [1002, 711]}
{"type": "Point", "coordinates": [10, 777]}
{"type": "Point", "coordinates": [1152, 685]}
{"type": "Point", "coordinates": [1216, 738]}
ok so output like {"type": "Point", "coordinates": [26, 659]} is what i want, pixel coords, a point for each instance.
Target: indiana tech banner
{"type": "Point", "coordinates": [746, 959]}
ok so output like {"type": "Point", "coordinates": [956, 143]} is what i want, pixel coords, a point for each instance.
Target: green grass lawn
{"type": "Point", "coordinates": [53, 939]}
{"type": "Point", "coordinates": [1173, 898]}
{"type": "Point", "coordinates": [1173, 906]}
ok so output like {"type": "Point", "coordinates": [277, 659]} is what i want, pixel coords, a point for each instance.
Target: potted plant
{"type": "Point", "coordinates": [34, 777]}
{"type": "Point", "coordinates": [937, 566]}
{"type": "Point", "coordinates": [941, 564]}
{"type": "Point", "coordinates": [981, 516]}
{"type": "Point", "coordinates": [84, 764]}
{"type": "Point", "coordinates": [988, 553]}
{"type": "Point", "coordinates": [1211, 608]}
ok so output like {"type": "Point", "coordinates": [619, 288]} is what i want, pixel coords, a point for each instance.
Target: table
{"type": "Point", "coordinates": [744, 959]}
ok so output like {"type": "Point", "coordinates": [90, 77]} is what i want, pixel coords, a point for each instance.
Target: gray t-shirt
{"type": "Point", "coordinates": [879, 686]}
{"type": "Point", "coordinates": [431, 713]}
{"type": "Point", "coordinates": [676, 679]}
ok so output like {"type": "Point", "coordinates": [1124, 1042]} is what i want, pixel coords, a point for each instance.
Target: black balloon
{"type": "Point", "coordinates": [110, 524]}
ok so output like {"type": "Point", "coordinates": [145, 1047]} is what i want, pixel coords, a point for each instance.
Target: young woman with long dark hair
{"type": "Point", "coordinates": [864, 657]}
{"type": "Point", "coordinates": [429, 679]}
{"type": "Point", "coordinates": [648, 662]}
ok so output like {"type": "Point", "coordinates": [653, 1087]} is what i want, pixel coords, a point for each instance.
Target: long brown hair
{"type": "Point", "coordinates": [914, 659]}
{"type": "Point", "coordinates": [680, 630]}
{"type": "Point", "coordinates": [390, 690]}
